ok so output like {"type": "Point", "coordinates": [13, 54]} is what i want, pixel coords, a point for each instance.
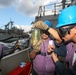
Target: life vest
{"type": "Point", "coordinates": [1, 51]}
{"type": "Point", "coordinates": [70, 53]}
{"type": "Point", "coordinates": [43, 64]}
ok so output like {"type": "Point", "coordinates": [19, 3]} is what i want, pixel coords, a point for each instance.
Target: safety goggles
{"type": "Point", "coordinates": [64, 31]}
{"type": "Point", "coordinates": [44, 31]}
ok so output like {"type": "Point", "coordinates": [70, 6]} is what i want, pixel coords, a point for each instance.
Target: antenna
{"type": "Point", "coordinates": [7, 26]}
{"type": "Point", "coordinates": [11, 22]}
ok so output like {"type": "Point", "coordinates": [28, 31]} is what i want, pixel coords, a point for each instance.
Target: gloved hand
{"type": "Point", "coordinates": [41, 25]}
{"type": "Point", "coordinates": [37, 46]}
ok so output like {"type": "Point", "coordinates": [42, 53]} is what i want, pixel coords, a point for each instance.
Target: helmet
{"type": "Point", "coordinates": [48, 23]}
{"type": "Point", "coordinates": [67, 16]}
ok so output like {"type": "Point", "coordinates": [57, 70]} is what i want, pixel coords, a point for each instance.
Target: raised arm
{"type": "Point", "coordinates": [52, 31]}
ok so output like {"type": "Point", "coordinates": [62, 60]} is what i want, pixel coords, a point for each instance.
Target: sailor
{"type": "Point", "coordinates": [1, 51]}
{"type": "Point", "coordinates": [42, 62]}
{"type": "Point", "coordinates": [66, 33]}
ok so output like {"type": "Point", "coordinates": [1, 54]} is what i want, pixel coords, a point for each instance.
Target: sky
{"type": "Point", "coordinates": [21, 12]}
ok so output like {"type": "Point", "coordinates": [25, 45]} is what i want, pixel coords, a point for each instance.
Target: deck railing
{"type": "Point", "coordinates": [53, 9]}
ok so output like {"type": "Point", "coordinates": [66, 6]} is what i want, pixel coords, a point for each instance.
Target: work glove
{"type": "Point", "coordinates": [41, 25]}
{"type": "Point", "coordinates": [37, 46]}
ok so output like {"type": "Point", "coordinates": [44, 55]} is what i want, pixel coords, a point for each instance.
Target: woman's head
{"type": "Point", "coordinates": [44, 34]}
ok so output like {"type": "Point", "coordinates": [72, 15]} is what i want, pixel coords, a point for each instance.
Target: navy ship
{"type": "Point", "coordinates": [11, 61]}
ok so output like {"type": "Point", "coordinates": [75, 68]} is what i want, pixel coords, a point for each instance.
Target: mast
{"type": "Point", "coordinates": [63, 4]}
{"type": "Point", "coordinates": [8, 26]}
